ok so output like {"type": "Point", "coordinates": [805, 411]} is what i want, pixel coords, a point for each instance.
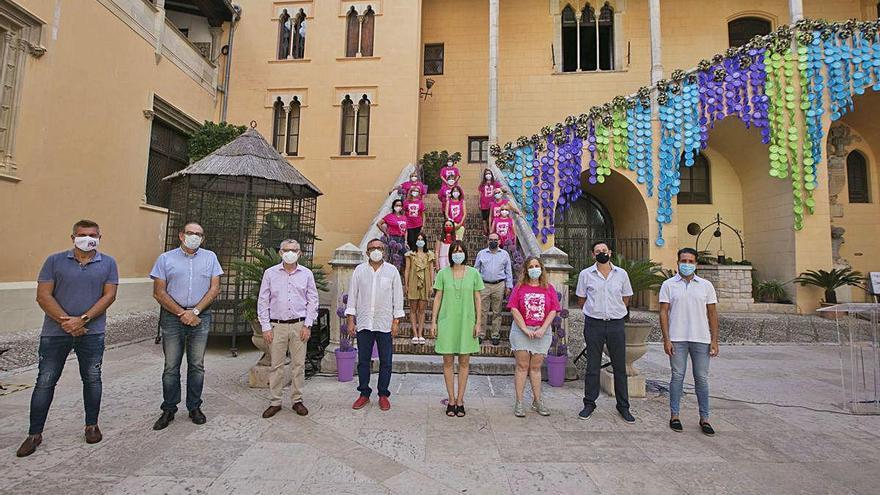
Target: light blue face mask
{"type": "Point", "coordinates": [535, 272]}
{"type": "Point", "coordinates": [420, 243]}
{"type": "Point", "coordinates": [686, 269]}
{"type": "Point", "coordinates": [458, 258]}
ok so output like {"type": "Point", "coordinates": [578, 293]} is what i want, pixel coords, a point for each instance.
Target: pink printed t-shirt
{"type": "Point", "coordinates": [496, 207]}
{"type": "Point", "coordinates": [533, 303]}
{"type": "Point", "coordinates": [487, 193]}
{"type": "Point", "coordinates": [421, 186]}
{"type": "Point", "coordinates": [446, 172]}
{"type": "Point", "coordinates": [504, 229]}
{"type": "Point", "coordinates": [396, 224]}
{"type": "Point", "coordinates": [413, 209]}
{"type": "Point", "coordinates": [455, 210]}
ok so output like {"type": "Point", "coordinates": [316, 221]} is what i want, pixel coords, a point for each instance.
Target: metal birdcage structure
{"type": "Point", "coordinates": [246, 197]}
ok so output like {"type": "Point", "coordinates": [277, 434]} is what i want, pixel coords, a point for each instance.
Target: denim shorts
{"type": "Point", "coordinates": [521, 342]}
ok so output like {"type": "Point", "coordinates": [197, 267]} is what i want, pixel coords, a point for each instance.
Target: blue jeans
{"type": "Point", "coordinates": [53, 354]}
{"type": "Point", "coordinates": [678, 361]}
{"type": "Point", "coordinates": [383, 340]}
{"type": "Point", "coordinates": [177, 337]}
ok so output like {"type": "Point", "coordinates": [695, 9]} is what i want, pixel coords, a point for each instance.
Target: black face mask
{"type": "Point", "coordinates": [603, 258]}
{"type": "Point", "coordinates": [493, 244]}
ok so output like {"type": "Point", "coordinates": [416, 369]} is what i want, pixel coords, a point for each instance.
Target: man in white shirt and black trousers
{"type": "Point", "coordinates": [375, 297]}
{"type": "Point", "coordinates": [604, 291]}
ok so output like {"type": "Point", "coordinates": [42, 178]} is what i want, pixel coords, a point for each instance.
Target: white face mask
{"type": "Point", "coordinates": [458, 258]}
{"type": "Point", "coordinates": [504, 213]}
{"type": "Point", "coordinates": [414, 178]}
{"type": "Point", "coordinates": [85, 243]}
{"type": "Point", "coordinates": [450, 182]}
{"type": "Point", "coordinates": [455, 195]}
{"type": "Point", "coordinates": [449, 164]}
{"type": "Point", "coordinates": [290, 257]}
{"type": "Point", "coordinates": [488, 176]}
{"type": "Point", "coordinates": [192, 241]}
{"type": "Point", "coordinates": [397, 209]}
{"type": "Point", "coordinates": [376, 255]}
{"type": "Point", "coordinates": [497, 196]}
{"type": "Point", "coordinates": [420, 243]}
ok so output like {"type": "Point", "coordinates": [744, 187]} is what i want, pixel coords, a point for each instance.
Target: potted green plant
{"type": "Point", "coordinates": [770, 291]}
{"type": "Point", "coordinates": [829, 282]}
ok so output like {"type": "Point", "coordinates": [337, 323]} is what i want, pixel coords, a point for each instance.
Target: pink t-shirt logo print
{"type": "Point", "coordinates": [501, 227]}
{"type": "Point", "coordinates": [413, 209]}
{"type": "Point", "coordinates": [535, 306]}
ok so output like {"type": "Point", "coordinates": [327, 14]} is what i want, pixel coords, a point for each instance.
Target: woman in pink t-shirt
{"type": "Point", "coordinates": [456, 210]}
{"type": "Point", "coordinates": [449, 176]}
{"type": "Point", "coordinates": [533, 304]}
{"type": "Point", "coordinates": [414, 210]}
{"type": "Point", "coordinates": [414, 182]}
{"type": "Point", "coordinates": [393, 225]}
{"type": "Point", "coordinates": [487, 195]}
{"type": "Point", "coordinates": [503, 226]}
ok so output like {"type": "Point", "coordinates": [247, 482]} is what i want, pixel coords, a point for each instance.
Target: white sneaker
{"type": "Point", "coordinates": [414, 340]}
{"type": "Point", "coordinates": [539, 406]}
{"type": "Point", "coordinates": [423, 340]}
{"type": "Point", "coordinates": [518, 410]}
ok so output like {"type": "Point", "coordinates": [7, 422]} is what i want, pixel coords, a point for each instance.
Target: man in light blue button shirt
{"type": "Point", "coordinates": [186, 281]}
{"type": "Point", "coordinates": [494, 266]}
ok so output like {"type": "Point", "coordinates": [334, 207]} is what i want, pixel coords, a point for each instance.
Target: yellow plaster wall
{"type": "Point", "coordinates": [354, 187]}
{"type": "Point", "coordinates": [82, 141]}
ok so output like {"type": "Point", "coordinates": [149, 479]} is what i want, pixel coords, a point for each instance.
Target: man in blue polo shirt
{"type": "Point", "coordinates": [186, 280]}
{"type": "Point", "coordinates": [74, 289]}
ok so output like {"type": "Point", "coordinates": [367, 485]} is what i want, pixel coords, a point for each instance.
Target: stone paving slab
{"type": "Point", "coordinates": [761, 447]}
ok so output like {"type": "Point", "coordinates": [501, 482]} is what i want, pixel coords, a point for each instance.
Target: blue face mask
{"type": "Point", "coordinates": [458, 258]}
{"type": "Point", "coordinates": [535, 272]}
{"type": "Point", "coordinates": [420, 243]}
{"type": "Point", "coordinates": [686, 269]}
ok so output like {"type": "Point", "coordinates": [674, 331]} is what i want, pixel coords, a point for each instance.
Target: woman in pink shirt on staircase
{"type": "Point", "coordinates": [449, 177]}
{"type": "Point", "coordinates": [487, 195]}
{"type": "Point", "coordinates": [393, 225]}
{"type": "Point", "coordinates": [456, 210]}
{"type": "Point", "coordinates": [414, 210]}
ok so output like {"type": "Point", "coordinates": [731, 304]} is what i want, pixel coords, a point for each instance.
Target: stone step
{"type": "Point", "coordinates": [403, 345]}
{"type": "Point", "coordinates": [433, 364]}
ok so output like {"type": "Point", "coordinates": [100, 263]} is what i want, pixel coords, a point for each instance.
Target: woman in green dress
{"type": "Point", "coordinates": [455, 320]}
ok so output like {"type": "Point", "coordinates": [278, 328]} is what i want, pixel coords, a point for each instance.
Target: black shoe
{"type": "Point", "coordinates": [707, 429]}
{"type": "Point", "coordinates": [197, 416]}
{"type": "Point", "coordinates": [164, 419]}
{"type": "Point", "coordinates": [586, 412]}
{"type": "Point", "coordinates": [624, 413]}
{"type": "Point", "coordinates": [496, 341]}
{"type": "Point", "coordinates": [675, 424]}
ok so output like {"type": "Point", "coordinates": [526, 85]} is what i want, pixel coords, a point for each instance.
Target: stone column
{"type": "Point", "coordinates": [656, 52]}
{"type": "Point", "coordinates": [216, 37]}
{"type": "Point", "coordinates": [493, 73]}
{"type": "Point", "coordinates": [159, 29]}
{"type": "Point", "coordinates": [796, 10]}
{"type": "Point", "coordinates": [345, 259]}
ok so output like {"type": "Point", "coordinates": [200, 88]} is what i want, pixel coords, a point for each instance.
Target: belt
{"type": "Point", "coordinates": [288, 322]}
{"type": "Point", "coordinates": [493, 283]}
{"type": "Point", "coordinates": [604, 319]}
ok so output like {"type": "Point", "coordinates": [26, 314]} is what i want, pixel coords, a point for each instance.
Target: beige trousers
{"type": "Point", "coordinates": [491, 299]}
{"type": "Point", "coordinates": [286, 337]}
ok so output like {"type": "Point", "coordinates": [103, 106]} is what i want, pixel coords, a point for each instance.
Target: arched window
{"type": "Point", "coordinates": [351, 33]}
{"type": "Point", "coordinates": [284, 30]}
{"type": "Point", "coordinates": [293, 127]}
{"type": "Point", "coordinates": [362, 146]}
{"type": "Point", "coordinates": [278, 125]}
{"type": "Point", "coordinates": [367, 28]}
{"type": "Point", "coordinates": [587, 41]}
{"type": "Point", "coordinates": [857, 178]}
{"type": "Point", "coordinates": [298, 50]}
{"type": "Point", "coordinates": [569, 40]}
{"type": "Point", "coordinates": [696, 186]}
{"type": "Point", "coordinates": [347, 142]}
{"type": "Point", "coordinates": [741, 31]}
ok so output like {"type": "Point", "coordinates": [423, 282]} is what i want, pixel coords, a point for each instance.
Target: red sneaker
{"type": "Point", "coordinates": [384, 403]}
{"type": "Point", "coordinates": [361, 402]}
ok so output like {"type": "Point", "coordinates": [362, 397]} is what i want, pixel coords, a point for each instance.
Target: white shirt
{"type": "Point", "coordinates": [375, 297]}
{"type": "Point", "coordinates": [688, 321]}
{"type": "Point", "coordinates": [604, 296]}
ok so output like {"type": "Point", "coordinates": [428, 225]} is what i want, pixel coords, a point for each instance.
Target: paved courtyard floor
{"type": "Point", "coordinates": [415, 449]}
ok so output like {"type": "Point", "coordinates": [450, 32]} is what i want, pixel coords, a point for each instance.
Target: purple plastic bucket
{"type": "Point", "coordinates": [556, 370]}
{"type": "Point", "coordinates": [345, 363]}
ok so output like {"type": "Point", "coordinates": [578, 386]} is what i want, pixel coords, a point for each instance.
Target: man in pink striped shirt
{"type": "Point", "coordinates": [286, 308]}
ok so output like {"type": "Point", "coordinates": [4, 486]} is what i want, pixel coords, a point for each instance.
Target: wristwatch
{"type": "Point", "coordinates": [196, 311]}
{"type": "Point", "coordinates": [85, 318]}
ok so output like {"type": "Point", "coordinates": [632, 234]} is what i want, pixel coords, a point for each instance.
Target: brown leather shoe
{"type": "Point", "coordinates": [300, 409]}
{"type": "Point", "coordinates": [29, 445]}
{"type": "Point", "coordinates": [271, 411]}
{"type": "Point", "coordinates": [93, 434]}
